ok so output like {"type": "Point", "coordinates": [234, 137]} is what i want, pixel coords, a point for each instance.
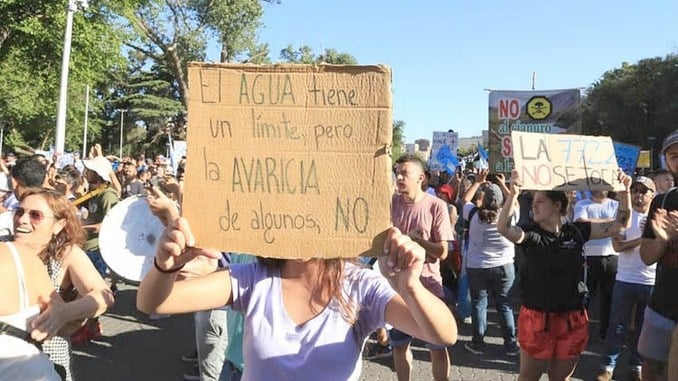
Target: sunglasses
{"type": "Point", "coordinates": [640, 191]}
{"type": "Point", "coordinates": [36, 216]}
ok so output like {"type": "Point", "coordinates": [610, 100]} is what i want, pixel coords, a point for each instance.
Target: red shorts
{"type": "Point", "coordinates": [558, 336]}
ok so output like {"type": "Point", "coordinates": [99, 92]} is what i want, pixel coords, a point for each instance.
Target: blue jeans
{"type": "Point", "coordinates": [496, 281]}
{"type": "Point", "coordinates": [98, 262]}
{"type": "Point", "coordinates": [463, 302]}
{"type": "Point", "coordinates": [624, 297]}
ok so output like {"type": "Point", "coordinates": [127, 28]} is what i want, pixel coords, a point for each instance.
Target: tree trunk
{"type": "Point", "coordinates": [174, 63]}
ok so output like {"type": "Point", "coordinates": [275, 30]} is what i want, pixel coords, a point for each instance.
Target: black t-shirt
{"type": "Point", "coordinates": [552, 268]}
{"type": "Point", "coordinates": [663, 300]}
{"type": "Point", "coordinates": [525, 202]}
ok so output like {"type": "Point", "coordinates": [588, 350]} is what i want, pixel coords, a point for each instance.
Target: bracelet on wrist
{"type": "Point", "coordinates": [171, 271]}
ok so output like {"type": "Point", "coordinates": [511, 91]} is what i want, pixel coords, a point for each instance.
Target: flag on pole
{"type": "Point", "coordinates": [483, 157]}
{"type": "Point", "coordinates": [449, 160]}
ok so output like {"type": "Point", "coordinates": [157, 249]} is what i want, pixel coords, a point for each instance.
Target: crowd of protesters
{"type": "Point", "coordinates": [458, 240]}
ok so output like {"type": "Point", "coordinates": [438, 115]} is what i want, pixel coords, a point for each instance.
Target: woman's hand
{"type": "Point", "coordinates": [53, 317]}
{"type": "Point", "coordinates": [161, 206]}
{"type": "Point", "coordinates": [177, 246]}
{"type": "Point", "coordinates": [516, 183]}
{"type": "Point", "coordinates": [403, 260]}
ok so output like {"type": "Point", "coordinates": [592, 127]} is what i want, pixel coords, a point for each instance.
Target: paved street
{"type": "Point", "coordinates": [136, 348]}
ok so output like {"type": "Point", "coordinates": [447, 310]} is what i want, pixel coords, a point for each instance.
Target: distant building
{"type": "Point", "coordinates": [424, 144]}
{"type": "Point", "coordinates": [466, 143]}
{"type": "Point", "coordinates": [415, 149]}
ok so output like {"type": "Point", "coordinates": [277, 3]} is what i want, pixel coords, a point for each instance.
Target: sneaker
{"type": "Point", "coordinates": [475, 348]}
{"type": "Point", "coordinates": [374, 351]}
{"type": "Point", "coordinates": [467, 320]}
{"type": "Point", "coordinates": [513, 350]}
{"type": "Point", "coordinates": [191, 357]}
{"type": "Point", "coordinates": [604, 375]}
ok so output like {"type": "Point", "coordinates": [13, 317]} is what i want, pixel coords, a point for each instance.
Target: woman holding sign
{"type": "Point", "coordinates": [318, 312]}
{"type": "Point", "coordinates": [553, 320]}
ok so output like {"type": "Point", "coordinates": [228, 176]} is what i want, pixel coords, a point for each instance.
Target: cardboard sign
{"type": "Point", "coordinates": [644, 159]}
{"type": "Point", "coordinates": [627, 156]}
{"type": "Point", "coordinates": [564, 162]}
{"type": "Point", "coordinates": [289, 161]}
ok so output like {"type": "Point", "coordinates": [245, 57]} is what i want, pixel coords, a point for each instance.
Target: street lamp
{"type": "Point", "coordinates": [60, 135]}
{"type": "Point", "coordinates": [122, 112]}
{"type": "Point", "coordinates": [651, 139]}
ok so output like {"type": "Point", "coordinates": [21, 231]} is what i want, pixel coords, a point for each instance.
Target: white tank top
{"type": "Point", "coordinates": [19, 359]}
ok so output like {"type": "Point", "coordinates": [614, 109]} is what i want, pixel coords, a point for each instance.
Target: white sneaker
{"type": "Point", "coordinates": [467, 320]}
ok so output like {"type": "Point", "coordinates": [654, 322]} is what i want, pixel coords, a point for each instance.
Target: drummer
{"type": "Point", "coordinates": [97, 174]}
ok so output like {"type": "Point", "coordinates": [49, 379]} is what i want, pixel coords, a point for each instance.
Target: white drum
{"type": "Point", "coordinates": [129, 237]}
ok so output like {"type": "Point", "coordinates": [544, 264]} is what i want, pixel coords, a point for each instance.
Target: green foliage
{"type": "Point", "coordinates": [165, 35]}
{"type": "Point", "coordinates": [234, 23]}
{"type": "Point", "coordinates": [304, 55]}
{"type": "Point", "coordinates": [132, 53]}
{"type": "Point", "coordinates": [31, 46]}
{"type": "Point", "coordinates": [634, 102]}
{"type": "Point", "coordinates": [398, 146]}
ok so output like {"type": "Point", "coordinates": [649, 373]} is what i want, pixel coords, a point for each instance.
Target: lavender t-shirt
{"type": "Point", "coordinates": [324, 348]}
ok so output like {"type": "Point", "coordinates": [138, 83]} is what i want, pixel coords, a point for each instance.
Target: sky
{"type": "Point", "coordinates": [444, 55]}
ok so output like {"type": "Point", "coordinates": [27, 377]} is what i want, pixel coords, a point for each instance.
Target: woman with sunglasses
{"type": "Point", "coordinates": [553, 320]}
{"type": "Point", "coordinates": [48, 224]}
{"type": "Point", "coordinates": [318, 312]}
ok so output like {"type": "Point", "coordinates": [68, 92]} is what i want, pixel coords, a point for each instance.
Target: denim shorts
{"type": "Point", "coordinates": [655, 337]}
{"type": "Point", "coordinates": [399, 339]}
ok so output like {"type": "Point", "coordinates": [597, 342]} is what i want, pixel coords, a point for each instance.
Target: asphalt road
{"type": "Point", "coordinates": [136, 348]}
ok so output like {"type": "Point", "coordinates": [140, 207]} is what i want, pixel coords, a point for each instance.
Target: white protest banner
{"type": "Point", "coordinates": [64, 160]}
{"type": "Point", "coordinates": [440, 139]}
{"type": "Point", "coordinates": [289, 161]}
{"type": "Point", "coordinates": [564, 162]}
{"type": "Point", "coordinates": [178, 151]}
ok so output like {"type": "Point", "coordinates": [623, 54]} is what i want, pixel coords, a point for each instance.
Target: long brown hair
{"type": "Point", "coordinates": [71, 235]}
{"type": "Point", "coordinates": [331, 274]}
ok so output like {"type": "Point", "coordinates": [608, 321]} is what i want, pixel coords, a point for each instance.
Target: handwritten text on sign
{"type": "Point", "coordinates": [289, 161]}
{"type": "Point", "coordinates": [562, 162]}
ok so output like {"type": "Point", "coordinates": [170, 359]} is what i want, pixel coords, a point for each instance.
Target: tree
{"type": "Point", "coordinates": [304, 55]}
{"type": "Point", "coordinates": [234, 23]}
{"type": "Point", "coordinates": [31, 44]}
{"type": "Point", "coordinates": [165, 36]}
{"type": "Point", "coordinates": [171, 33]}
{"type": "Point", "coordinates": [398, 139]}
{"type": "Point", "coordinates": [634, 102]}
